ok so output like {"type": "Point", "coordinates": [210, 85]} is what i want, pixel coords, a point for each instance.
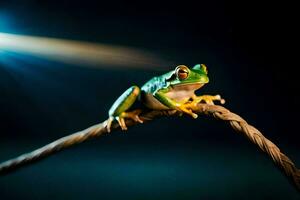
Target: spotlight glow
{"type": "Point", "coordinates": [83, 53]}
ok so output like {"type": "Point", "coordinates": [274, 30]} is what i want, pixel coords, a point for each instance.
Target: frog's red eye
{"type": "Point", "coordinates": [182, 72]}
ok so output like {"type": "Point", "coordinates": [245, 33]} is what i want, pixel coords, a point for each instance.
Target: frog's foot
{"type": "Point", "coordinates": [108, 123]}
{"type": "Point", "coordinates": [186, 108]}
{"type": "Point", "coordinates": [134, 115]}
{"type": "Point", "coordinates": [209, 99]}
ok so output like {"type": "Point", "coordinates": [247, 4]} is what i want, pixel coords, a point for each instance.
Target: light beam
{"type": "Point", "coordinates": [82, 53]}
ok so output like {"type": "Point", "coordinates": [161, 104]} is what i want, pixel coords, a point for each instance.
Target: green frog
{"type": "Point", "coordinates": [173, 90]}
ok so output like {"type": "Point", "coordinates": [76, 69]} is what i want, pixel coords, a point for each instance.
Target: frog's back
{"type": "Point", "coordinates": [147, 91]}
{"type": "Point", "coordinates": [153, 84]}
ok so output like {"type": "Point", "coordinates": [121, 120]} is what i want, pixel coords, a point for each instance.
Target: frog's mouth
{"type": "Point", "coordinates": [188, 86]}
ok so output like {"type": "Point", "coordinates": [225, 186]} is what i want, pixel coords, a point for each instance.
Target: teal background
{"type": "Point", "coordinates": [250, 63]}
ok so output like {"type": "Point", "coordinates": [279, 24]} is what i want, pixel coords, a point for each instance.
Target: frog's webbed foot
{"type": "Point", "coordinates": [186, 108]}
{"type": "Point", "coordinates": [209, 99]}
{"type": "Point", "coordinates": [134, 115]}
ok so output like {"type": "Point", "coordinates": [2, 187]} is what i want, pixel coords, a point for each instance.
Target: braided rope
{"type": "Point", "coordinates": [218, 112]}
{"type": "Point", "coordinates": [256, 137]}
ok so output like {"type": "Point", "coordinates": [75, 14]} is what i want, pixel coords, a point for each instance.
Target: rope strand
{"type": "Point", "coordinates": [216, 111]}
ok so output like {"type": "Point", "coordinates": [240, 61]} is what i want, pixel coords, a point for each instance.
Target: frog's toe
{"type": "Point", "coordinates": [209, 102]}
{"type": "Point", "coordinates": [219, 98]}
{"type": "Point", "coordinates": [122, 123]}
{"type": "Point", "coordinates": [194, 115]}
{"type": "Point", "coordinates": [222, 101]}
{"type": "Point", "coordinates": [187, 109]}
{"type": "Point", "coordinates": [108, 123]}
{"type": "Point", "coordinates": [134, 115]}
{"type": "Point", "coordinates": [137, 119]}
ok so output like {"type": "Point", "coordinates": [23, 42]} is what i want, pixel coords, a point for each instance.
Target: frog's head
{"type": "Point", "coordinates": [182, 75]}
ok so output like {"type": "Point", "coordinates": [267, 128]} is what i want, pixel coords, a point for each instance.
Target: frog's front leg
{"type": "Point", "coordinates": [180, 106]}
{"type": "Point", "coordinates": [209, 99]}
{"type": "Point", "coordinates": [121, 105]}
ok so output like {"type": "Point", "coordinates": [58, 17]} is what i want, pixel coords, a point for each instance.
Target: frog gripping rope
{"type": "Point", "coordinates": [171, 94]}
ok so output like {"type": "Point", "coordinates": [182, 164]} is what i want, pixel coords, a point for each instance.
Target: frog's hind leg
{"type": "Point", "coordinates": [121, 105]}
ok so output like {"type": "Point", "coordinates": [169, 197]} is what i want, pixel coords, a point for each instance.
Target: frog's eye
{"type": "Point", "coordinates": [182, 72]}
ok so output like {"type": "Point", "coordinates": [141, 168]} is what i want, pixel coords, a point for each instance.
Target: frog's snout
{"type": "Point", "coordinates": [204, 79]}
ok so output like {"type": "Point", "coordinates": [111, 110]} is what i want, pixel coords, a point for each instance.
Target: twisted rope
{"type": "Point", "coordinates": [216, 111]}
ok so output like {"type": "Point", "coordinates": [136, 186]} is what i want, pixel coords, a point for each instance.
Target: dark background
{"type": "Point", "coordinates": [251, 50]}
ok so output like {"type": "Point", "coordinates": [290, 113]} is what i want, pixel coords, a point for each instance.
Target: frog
{"type": "Point", "coordinates": [173, 90]}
